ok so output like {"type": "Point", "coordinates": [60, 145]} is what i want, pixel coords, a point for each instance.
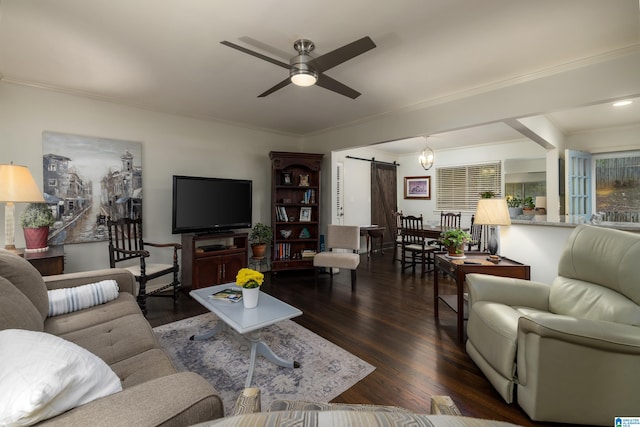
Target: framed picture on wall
{"type": "Point", "coordinates": [417, 187]}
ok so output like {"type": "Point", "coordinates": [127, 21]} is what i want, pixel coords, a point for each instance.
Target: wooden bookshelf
{"type": "Point", "coordinates": [295, 203]}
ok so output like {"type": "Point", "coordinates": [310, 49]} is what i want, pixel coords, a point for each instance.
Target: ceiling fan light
{"type": "Point", "coordinates": [426, 158]}
{"type": "Point", "coordinates": [303, 77]}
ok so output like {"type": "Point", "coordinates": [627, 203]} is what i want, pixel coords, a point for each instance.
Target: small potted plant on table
{"type": "Point", "coordinates": [35, 221]}
{"type": "Point", "coordinates": [261, 235]}
{"type": "Point", "coordinates": [454, 240]}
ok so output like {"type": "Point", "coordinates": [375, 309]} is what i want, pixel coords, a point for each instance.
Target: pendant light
{"type": "Point", "coordinates": [426, 157]}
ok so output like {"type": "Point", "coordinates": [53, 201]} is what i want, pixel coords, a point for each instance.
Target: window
{"type": "Point", "coordinates": [458, 188]}
{"type": "Point", "coordinates": [526, 189]}
{"type": "Point", "coordinates": [617, 188]}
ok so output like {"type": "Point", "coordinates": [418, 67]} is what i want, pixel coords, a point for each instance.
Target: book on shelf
{"type": "Point", "coordinates": [308, 253]}
{"type": "Point", "coordinates": [229, 295]}
{"type": "Point", "coordinates": [281, 214]}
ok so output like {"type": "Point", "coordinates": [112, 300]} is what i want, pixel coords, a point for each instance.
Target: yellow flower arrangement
{"type": "Point", "coordinates": [248, 278]}
{"type": "Point", "coordinates": [513, 201]}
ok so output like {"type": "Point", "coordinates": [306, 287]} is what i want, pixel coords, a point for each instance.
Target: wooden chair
{"type": "Point", "coordinates": [126, 244]}
{"type": "Point", "coordinates": [397, 235]}
{"type": "Point", "coordinates": [476, 235]}
{"type": "Point", "coordinates": [450, 220]}
{"type": "Point", "coordinates": [414, 244]}
{"type": "Point", "coordinates": [343, 245]}
{"type": "Point", "coordinates": [447, 220]}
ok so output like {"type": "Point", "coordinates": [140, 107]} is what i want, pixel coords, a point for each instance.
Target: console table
{"type": "Point", "coordinates": [47, 262]}
{"type": "Point", "coordinates": [474, 262]}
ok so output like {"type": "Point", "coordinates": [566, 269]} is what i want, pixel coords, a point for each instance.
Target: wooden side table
{"type": "Point", "coordinates": [372, 232]}
{"type": "Point", "coordinates": [475, 262]}
{"type": "Point", "coordinates": [49, 262]}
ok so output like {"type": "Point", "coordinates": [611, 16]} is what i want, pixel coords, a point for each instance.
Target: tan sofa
{"type": "Point", "coordinates": [153, 392]}
{"type": "Point", "coordinates": [571, 349]}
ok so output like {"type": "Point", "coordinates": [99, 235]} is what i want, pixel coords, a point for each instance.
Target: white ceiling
{"type": "Point", "coordinates": [165, 54]}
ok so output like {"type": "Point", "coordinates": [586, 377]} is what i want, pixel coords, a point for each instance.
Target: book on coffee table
{"type": "Point", "coordinates": [229, 295]}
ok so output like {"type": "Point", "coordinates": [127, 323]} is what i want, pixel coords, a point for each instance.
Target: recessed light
{"type": "Point", "coordinates": [622, 103]}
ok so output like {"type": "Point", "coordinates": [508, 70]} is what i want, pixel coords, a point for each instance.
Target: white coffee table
{"type": "Point", "coordinates": [247, 322]}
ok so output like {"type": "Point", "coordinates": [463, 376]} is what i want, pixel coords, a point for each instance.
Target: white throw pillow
{"type": "Point", "coordinates": [42, 375]}
{"type": "Point", "coordinates": [67, 300]}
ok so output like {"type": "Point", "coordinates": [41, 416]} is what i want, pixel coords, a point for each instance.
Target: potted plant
{"type": "Point", "coordinates": [261, 235]}
{"type": "Point", "coordinates": [35, 221]}
{"type": "Point", "coordinates": [454, 239]}
{"type": "Point", "coordinates": [250, 281]}
{"type": "Point", "coordinates": [513, 204]}
{"type": "Point", "coordinates": [487, 194]}
{"type": "Point", "coordinates": [528, 205]}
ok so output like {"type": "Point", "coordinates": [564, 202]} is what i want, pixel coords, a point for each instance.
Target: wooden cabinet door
{"type": "Point", "coordinates": [233, 264]}
{"type": "Point", "coordinates": [207, 272]}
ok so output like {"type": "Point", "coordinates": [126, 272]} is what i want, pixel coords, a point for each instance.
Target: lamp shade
{"type": "Point", "coordinates": [492, 212]}
{"type": "Point", "coordinates": [17, 185]}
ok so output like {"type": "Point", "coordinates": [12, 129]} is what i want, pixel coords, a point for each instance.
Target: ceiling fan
{"type": "Point", "coordinates": [305, 70]}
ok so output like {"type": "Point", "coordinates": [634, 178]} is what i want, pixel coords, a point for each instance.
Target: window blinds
{"type": "Point", "coordinates": [458, 188]}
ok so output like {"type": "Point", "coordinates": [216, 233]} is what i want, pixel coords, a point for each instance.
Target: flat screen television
{"type": "Point", "coordinates": [209, 205]}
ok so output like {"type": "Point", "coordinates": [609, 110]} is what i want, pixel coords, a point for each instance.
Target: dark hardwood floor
{"type": "Point", "coordinates": [388, 322]}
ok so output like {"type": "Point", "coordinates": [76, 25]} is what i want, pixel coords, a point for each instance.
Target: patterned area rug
{"type": "Point", "coordinates": [325, 371]}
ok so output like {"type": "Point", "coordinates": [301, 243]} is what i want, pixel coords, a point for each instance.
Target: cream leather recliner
{"type": "Point", "coordinates": [571, 350]}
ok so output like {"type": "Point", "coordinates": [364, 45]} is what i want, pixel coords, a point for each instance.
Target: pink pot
{"type": "Point", "coordinates": [36, 238]}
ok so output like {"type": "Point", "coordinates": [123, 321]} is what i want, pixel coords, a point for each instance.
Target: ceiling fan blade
{"type": "Point", "coordinates": [256, 54]}
{"type": "Point", "coordinates": [280, 85]}
{"type": "Point", "coordinates": [334, 85]}
{"type": "Point", "coordinates": [342, 54]}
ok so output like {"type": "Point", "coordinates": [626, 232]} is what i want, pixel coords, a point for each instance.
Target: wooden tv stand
{"type": "Point", "coordinates": [213, 259]}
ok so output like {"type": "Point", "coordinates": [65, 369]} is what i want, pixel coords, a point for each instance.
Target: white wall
{"type": "Point", "coordinates": [535, 245]}
{"type": "Point", "coordinates": [170, 145]}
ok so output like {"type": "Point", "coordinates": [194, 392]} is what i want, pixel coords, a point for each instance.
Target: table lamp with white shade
{"type": "Point", "coordinates": [16, 186]}
{"type": "Point", "coordinates": [492, 212]}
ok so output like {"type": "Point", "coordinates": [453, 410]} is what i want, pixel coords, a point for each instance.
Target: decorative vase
{"type": "Point", "coordinates": [250, 297]}
{"type": "Point", "coordinates": [36, 238]}
{"type": "Point", "coordinates": [259, 250]}
{"type": "Point", "coordinates": [514, 212]}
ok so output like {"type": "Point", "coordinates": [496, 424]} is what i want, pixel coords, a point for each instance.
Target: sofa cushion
{"type": "Point", "coordinates": [124, 305]}
{"type": "Point", "coordinates": [26, 278]}
{"type": "Point", "coordinates": [16, 311]}
{"type": "Point", "coordinates": [48, 376]}
{"type": "Point", "coordinates": [604, 256]}
{"type": "Point", "coordinates": [143, 367]}
{"type": "Point", "coordinates": [117, 339]}
{"type": "Point", "coordinates": [575, 298]}
{"type": "Point", "coordinates": [67, 300]}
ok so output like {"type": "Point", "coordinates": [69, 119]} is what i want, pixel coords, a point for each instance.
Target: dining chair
{"type": "Point", "coordinates": [447, 220]}
{"type": "Point", "coordinates": [343, 246]}
{"type": "Point", "coordinates": [126, 244]}
{"type": "Point", "coordinates": [415, 245]}
{"type": "Point", "coordinates": [450, 220]}
{"type": "Point", "coordinates": [476, 232]}
{"type": "Point", "coordinates": [397, 233]}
